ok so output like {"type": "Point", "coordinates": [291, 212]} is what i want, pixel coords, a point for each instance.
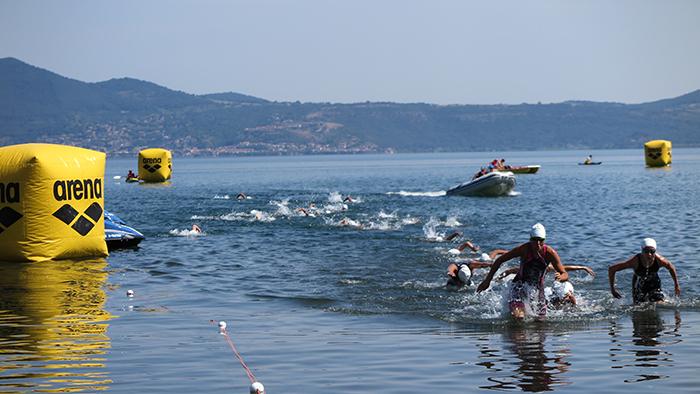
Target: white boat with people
{"type": "Point", "coordinates": [493, 184]}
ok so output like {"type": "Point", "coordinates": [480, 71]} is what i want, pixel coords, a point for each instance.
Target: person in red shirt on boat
{"type": "Point", "coordinates": [534, 256]}
{"type": "Point", "coordinates": [479, 173]}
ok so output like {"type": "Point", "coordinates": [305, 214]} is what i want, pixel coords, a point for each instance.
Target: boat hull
{"type": "Point", "coordinates": [118, 235]}
{"type": "Point", "coordinates": [494, 184]}
{"type": "Point", "coordinates": [522, 169]}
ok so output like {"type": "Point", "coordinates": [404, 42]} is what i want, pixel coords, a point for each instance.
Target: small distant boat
{"type": "Point", "coordinates": [522, 169]}
{"type": "Point", "coordinates": [131, 179]}
{"type": "Point", "coordinates": [593, 163]}
{"type": "Point", "coordinates": [118, 234]}
{"type": "Point", "coordinates": [493, 184]}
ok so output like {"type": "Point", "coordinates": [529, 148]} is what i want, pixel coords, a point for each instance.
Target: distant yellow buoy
{"type": "Point", "coordinates": [51, 202]}
{"type": "Point", "coordinates": [155, 165]}
{"type": "Point", "coordinates": [657, 153]}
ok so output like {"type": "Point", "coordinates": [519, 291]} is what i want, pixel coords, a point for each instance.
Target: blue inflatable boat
{"type": "Point", "coordinates": [118, 235]}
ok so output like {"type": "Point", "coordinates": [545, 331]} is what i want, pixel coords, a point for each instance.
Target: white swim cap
{"type": "Point", "coordinates": [561, 289]}
{"type": "Point", "coordinates": [464, 274]}
{"type": "Point", "coordinates": [257, 388]}
{"type": "Point", "coordinates": [454, 251]}
{"type": "Point", "coordinates": [648, 243]}
{"type": "Point", "coordinates": [485, 257]}
{"type": "Point", "coordinates": [538, 231]}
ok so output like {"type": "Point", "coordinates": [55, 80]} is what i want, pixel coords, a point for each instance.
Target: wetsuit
{"type": "Point", "coordinates": [646, 285]}
{"type": "Point", "coordinates": [530, 276]}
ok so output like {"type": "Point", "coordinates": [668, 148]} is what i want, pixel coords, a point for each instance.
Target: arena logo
{"type": "Point", "coordinates": [77, 189]}
{"type": "Point", "coordinates": [9, 193]}
{"type": "Point", "coordinates": [153, 168]}
{"type": "Point", "coordinates": [85, 222]}
{"type": "Point", "coordinates": [654, 154]}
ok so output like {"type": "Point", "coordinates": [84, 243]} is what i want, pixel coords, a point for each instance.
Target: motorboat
{"type": "Point", "coordinates": [522, 169]}
{"type": "Point", "coordinates": [118, 234]}
{"type": "Point", "coordinates": [493, 184]}
{"type": "Point", "coordinates": [593, 163]}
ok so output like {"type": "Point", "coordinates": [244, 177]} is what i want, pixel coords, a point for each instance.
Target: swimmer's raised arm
{"type": "Point", "coordinates": [513, 253]}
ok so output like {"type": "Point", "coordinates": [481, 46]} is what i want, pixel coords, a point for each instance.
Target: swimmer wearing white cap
{"type": "Point", "coordinates": [534, 256]}
{"type": "Point", "coordinates": [460, 274]}
{"type": "Point", "coordinates": [646, 285]}
{"type": "Point", "coordinates": [560, 295]}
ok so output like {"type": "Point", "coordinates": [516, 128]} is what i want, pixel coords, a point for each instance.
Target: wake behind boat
{"type": "Point", "coordinates": [493, 184]}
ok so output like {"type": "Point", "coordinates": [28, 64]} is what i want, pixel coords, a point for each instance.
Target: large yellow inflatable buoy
{"type": "Point", "coordinates": [155, 165]}
{"type": "Point", "coordinates": [51, 202]}
{"type": "Point", "coordinates": [657, 153]}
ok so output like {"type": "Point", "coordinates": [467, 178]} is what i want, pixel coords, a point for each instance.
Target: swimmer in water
{"type": "Point", "coordinates": [550, 268]}
{"type": "Point", "coordinates": [561, 294]}
{"type": "Point", "coordinates": [468, 244]}
{"type": "Point", "coordinates": [241, 196]}
{"type": "Point", "coordinates": [646, 284]}
{"type": "Point", "coordinates": [534, 256]}
{"type": "Point", "coordinates": [460, 274]}
{"type": "Point", "coordinates": [452, 236]}
{"type": "Point", "coordinates": [196, 229]}
{"type": "Point", "coordinates": [345, 222]}
{"type": "Point", "coordinates": [303, 211]}
{"type": "Point", "coordinates": [348, 199]}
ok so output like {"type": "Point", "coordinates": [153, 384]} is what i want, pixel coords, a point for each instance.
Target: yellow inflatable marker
{"type": "Point", "coordinates": [155, 165]}
{"type": "Point", "coordinates": [51, 202]}
{"type": "Point", "coordinates": [657, 153]}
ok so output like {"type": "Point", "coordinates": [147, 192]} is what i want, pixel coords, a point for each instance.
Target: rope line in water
{"type": "Point", "coordinates": [222, 330]}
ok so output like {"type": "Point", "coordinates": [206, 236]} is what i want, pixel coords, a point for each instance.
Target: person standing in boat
{"type": "Point", "coordinates": [588, 160]}
{"type": "Point", "coordinates": [534, 256]}
{"type": "Point", "coordinates": [646, 285]}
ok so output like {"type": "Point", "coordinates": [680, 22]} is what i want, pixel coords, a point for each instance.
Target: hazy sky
{"type": "Point", "coordinates": [444, 52]}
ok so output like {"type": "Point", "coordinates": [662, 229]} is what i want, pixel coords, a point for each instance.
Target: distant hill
{"type": "Point", "coordinates": [232, 97]}
{"type": "Point", "coordinates": [122, 116]}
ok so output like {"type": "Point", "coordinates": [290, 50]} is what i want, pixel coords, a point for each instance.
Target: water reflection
{"type": "Point", "coordinates": [53, 330]}
{"type": "Point", "coordinates": [539, 366]}
{"type": "Point", "coordinates": [649, 347]}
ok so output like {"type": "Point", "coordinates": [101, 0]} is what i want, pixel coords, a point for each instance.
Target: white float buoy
{"type": "Point", "coordinates": [257, 388]}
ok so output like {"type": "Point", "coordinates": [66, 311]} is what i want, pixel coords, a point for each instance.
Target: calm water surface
{"type": "Point", "coordinates": [319, 306]}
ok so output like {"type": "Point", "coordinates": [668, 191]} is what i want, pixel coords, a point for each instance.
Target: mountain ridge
{"type": "Point", "coordinates": [123, 115]}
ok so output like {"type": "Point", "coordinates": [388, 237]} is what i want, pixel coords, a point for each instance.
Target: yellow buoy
{"type": "Point", "coordinates": [155, 165]}
{"type": "Point", "coordinates": [657, 153]}
{"type": "Point", "coordinates": [51, 202]}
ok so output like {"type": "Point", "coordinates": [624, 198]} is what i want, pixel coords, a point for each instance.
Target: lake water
{"type": "Point", "coordinates": [315, 306]}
